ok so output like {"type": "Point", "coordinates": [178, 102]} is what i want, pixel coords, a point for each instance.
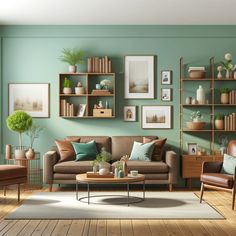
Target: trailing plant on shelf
{"type": "Point", "coordinates": [224, 95]}
{"type": "Point", "coordinates": [196, 123]}
{"type": "Point", "coordinates": [72, 56]}
{"type": "Point", "coordinates": [67, 86]}
{"type": "Point", "coordinates": [219, 121]}
{"type": "Point", "coordinates": [227, 65]}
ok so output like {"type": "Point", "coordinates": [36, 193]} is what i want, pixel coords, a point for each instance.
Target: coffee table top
{"type": "Point", "coordinates": [128, 179]}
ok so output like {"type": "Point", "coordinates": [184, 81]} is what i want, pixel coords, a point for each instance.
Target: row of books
{"type": "Point", "coordinates": [232, 97]}
{"type": "Point", "coordinates": [99, 65]}
{"type": "Point", "coordinates": [230, 122]}
{"type": "Point", "coordinates": [67, 109]}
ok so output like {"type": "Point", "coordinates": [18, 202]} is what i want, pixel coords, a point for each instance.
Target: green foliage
{"type": "Point", "coordinates": [33, 133]}
{"type": "Point", "coordinates": [72, 56]}
{"type": "Point", "coordinates": [219, 116]}
{"type": "Point", "coordinates": [196, 115]}
{"type": "Point", "coordinates": [224, 90]}
{"type": "Point", "coordinates": [104, 156]}
{"type": "Point", "coordinates": [67, 83]}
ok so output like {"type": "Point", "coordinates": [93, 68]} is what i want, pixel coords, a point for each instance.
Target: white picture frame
{"type": "Point", "coordinates": [139, 77]}
{"type": "Point", "coordinates": [166, 77]}
{"type": "Point", "coordinates": [166, 94]}
{"type": "Point", "coordinates": [81, 110]}
{"type": "Point", "coordinates": [34, 99]}
{"type": "Point", "coordinates": [130, 113]}
{"type": "Point", "coordinates": [192, 148]}
{"type": "Point", "coordinates": [156, 117]}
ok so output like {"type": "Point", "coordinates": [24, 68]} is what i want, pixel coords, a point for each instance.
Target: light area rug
{"type": "Point", "coordinates": [157, 205]}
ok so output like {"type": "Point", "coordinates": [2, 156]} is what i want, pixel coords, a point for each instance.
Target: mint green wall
{"type": "Point", "coordinates": [30, 54]}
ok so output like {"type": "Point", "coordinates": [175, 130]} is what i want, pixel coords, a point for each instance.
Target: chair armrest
{"type": "Point", "coordinates": [211, 167]}
{"type": "Point", "coordinates": [49, 160]}
{"type": "Point", "coordinates": [171, 159]}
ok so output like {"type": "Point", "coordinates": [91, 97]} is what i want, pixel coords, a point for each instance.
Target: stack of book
{"type": "Point", "coordinates": [230, 122]}
{"type": "Point", "coordinates": [99, 65]}
{"type": "Point", "coordinates": [67, 109]}
{"type": "Point", "coordinates": [232, 97]}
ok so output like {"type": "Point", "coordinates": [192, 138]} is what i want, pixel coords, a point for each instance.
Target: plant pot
{"type": "Point", "coordinates": [104, 171]}
{"type": "Point", "coordinates": [19, 154]}
{"type": "Point", "coordinates": [197, 125]}
{"type": "Point", "coordinates": [72, 69]}
{"type": "Point", "coordinates": [30, 154]}
{"type": "Point", "coordinates": [79, 90]}
{"type": "Point", "coordinates": [224, 98]}
{"type": "Point", "coordinates": [104, 165]}
{"type": "Point", "coordinates": [219, 124]}
{"type": "Point", "coordinates": [67, 90]}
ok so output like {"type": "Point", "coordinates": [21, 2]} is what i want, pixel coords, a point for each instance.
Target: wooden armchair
{"type": "Point", "coordinates": [212, 178]}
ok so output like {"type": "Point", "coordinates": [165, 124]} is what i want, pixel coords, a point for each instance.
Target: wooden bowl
{"type": "Point", "coordinates": [196, 125]}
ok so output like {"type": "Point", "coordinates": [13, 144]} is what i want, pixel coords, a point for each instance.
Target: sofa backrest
{"type": "Point", "coordinates": [122, 145]}
{"type": "Point", "coordinates": [101, 141]}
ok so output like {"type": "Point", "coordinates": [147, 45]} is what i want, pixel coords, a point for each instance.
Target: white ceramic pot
{"type": "Point", "coordinates": [72, 69]}
{"type": "Point", "coordinates": [30, 154]}
{"type": "Point", "coordinates": [200, 95]}
{"type": "Point", "coordinates": [19, 154]}
{"type": "Point", "coordinates": [79, 90]}
{"type": "Point", "coordinates": [104, 165]}
{"type": "Point", "coordinates": [67, 90]}
{"type": "Point", "coordinates": [104, 171]}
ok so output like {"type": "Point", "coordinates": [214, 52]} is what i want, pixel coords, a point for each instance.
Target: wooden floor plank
{"type": "Point", "coordinates": [7, 227]}
{"type": "Point", "coordinates": [40, 228]}
{"type": "Point", "coordinates": [158, 228]}
{"type": "Point", "coordinates": [86, 227]}
{"type": "Point", "coordinates": [101, 228]}
{"type": "Point", "coordinates": [49, 228]}
{"type": "Point", "coordinates": [113, 228]}
{"type": "Point", "coordinates": [141, 227]}
{"type": "Point", "coordinates": [173, 228]}
{"type": "Point", "coordinates": [126, 228]}
{"type": "Point", "coordinates": [92, 228]}
{"type": "Point", "coordinates": [61, 228]}
{"type": "Point", "coordinates": [16, 228]}
{"type": "Point", "coordinates": [212, 228]}
{"type": "Point", "coordinates": [76, 228]}
{"type": "Point", "coordinates": [29, 228]}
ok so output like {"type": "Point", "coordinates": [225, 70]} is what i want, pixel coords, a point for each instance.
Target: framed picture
{"type": "Point", "coordinates": [166, 77]}
{"type": "Point", "coordinates": [130, 113]}
{"type": "Point", "coordinates": [192, 148]}
{"type": "Point", "coordinates": [31, 98]}
{"type": "Point", "coordinates": [156, 117]}
{"type": "Point", "coordinates": [166, 94]}
{"type": "Point", "coordinates": [81, 110]}
{"type": "Point", "coordinates": [139, 77]}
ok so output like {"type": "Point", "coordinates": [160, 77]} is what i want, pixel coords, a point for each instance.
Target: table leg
{"type": "Point", "coordinates": [144, 189]}
{"type": "Point", "coordinates": [76, 190]}
{"type": "Point", "coordinates": [128, 193]}
{"type": "Point", "coordinates": [88, 194]}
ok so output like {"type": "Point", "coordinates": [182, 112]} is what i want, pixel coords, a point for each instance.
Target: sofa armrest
{"type": "Point", "coordinates": [172, 161]}
{"type": "Point", "coordinates": [49, 160]}
{"type": "Point", "coordinates": [211, 167]}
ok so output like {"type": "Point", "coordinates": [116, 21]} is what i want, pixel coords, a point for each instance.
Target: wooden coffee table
{"type": "Point", "coordinates": [82, 178]}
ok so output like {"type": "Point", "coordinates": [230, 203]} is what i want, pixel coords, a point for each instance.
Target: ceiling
{"type": "Point", "coordinates": [117, 12]}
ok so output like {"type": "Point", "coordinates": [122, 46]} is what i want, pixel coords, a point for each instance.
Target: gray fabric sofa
{"type": "Point", "coordinates": [156, 172]}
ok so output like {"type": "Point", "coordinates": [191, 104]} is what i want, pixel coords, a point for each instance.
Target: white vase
{"type": "Point", "coordinates": [79, 90]}
{"type": "Point", "coordinates": [67, 90]}
{"type": "Point", "coordinates": [104, 165]}
{"type": "Point", "coordinates": [219, 75]}
{"type": "Point", "coordinates": [228, 74]}
{"type": "Point", "coordinates": [104, 171]}
{"type": "Point", "coordinates": [200, 95]}
{"type": "Point", "coordinates": [30, 154]}
{"type": "Point", "coordinates": [234, 74]}
{"type": "Point", "coordinates": [19, 154]}
{"type": "Point", "coordinates": [72, 69]}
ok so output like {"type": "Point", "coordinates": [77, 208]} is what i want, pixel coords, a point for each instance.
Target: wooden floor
{"type": "Point", "coordinates": [220, 200]}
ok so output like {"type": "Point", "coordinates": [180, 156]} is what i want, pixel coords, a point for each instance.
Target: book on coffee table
{"type": "Point", "coordinates": [97, 175]}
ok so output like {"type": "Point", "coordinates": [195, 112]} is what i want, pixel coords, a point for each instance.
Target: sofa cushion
{"type": "Point", "coordinates": [141, 151]}
{"type": "Point", "coordinates": [122, 145]}
{"type": "Point", "coordinates": [101, 141]}
{"type": "Point", "coordinates": [146, 167]}
{"type": "Point", "coordinates": [66, 150]}
{"type": "Point", "coordinates": [218, 179]}
{"type": "Point", "coordinates": [12, 172]}
{"type": "Point", "coordinates": [73, 167]}
{"type": "Point", "coordinates": [158, 148]}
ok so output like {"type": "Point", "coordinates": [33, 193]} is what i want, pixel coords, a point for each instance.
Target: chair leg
{"type": "Point", "coordinates": [18, 191]}
{"type": "Point", "coordinates": [233, 198]}
{"type": "Point", "coordinates": [5, 190]}
{"type": "Point", "coordinates": [202, 190]}
{"type": "Point", "coordinates": [50, 187]}
{"type": "Point", "coordinates": [170, 187]}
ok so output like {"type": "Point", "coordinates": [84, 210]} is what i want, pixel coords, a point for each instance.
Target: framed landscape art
{"type": "Point", "coordinates": [31, 98]}
{"type": "Point", "coordinates": [156, 117]}
{"type": "Point", "coordinates": [139, 77]}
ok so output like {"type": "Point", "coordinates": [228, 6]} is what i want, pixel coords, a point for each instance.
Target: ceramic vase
{"type": "Point", "coordinates": [224, 98]}
{"type": "Point", "coordinates": [219, 124]}
{"type": "Point", "coordinates": [219, 75]}
{"type": "Point", "coordinates": [125, 168]}
{"type": "Point", "coordinates": [228, 74]}
{"type": "Point", "coordinates": [30, 154]}
{"type": "Point", "coordinates": [188, 100]}
{"type": "Point", "coordinates": [8, 152]}
{"type": "Point", "coordinates": [200, 95]}
{"type": "Point", "coordinates": [72, 69]}
{"type": "Point", "coordinates": [79, 90]}
{"type": "Point", "coordinates": [104, 171]}
{"type": "Point", "coordinates": [19, 154]}
{"type": "Point", "coordinates": [67, 90]}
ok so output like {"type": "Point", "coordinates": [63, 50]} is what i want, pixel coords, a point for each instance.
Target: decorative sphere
{"type": "Point", "coordinates": [104, 171]}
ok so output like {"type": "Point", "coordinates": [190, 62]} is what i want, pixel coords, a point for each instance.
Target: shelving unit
{"type": "Point", "coordinates": [191, 163]}
{"type": "Point", "coordinates": [89, 81]}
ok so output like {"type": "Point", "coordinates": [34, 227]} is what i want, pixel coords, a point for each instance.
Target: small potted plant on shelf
{"type": "Point", "coordinates": [79, 89]}
{"type": "Point", "coordinates": [196, 123]}
{"type": "Point", "coordinates": [33, 133]}
{"type": "Point", "coordinates": [103, 160]}
{"type": "Point", "coordinates": [228, 66]}
{"type": "Point", "coordinates": [72, 57]}
{"type": "Point", "coordinates": [67, 86]}
{"type": "Point", "coordinates": [224, 95]}
{"type": "Point", "coordinates": [19, 122]}
{"type": "Point", "coordinates": [219, 121]}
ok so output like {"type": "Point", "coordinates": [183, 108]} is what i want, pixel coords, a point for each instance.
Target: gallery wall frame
{"type": "Point", "coordinates": [139, 82]}
{"type": "Point", "coordinates": [130, 113]}
{"type": "Point", "coordinates": [166, 77]}
{"type": "Point", "coordinates": [33, 98]}
{"type": "Point", "coordinates": [166, 94]}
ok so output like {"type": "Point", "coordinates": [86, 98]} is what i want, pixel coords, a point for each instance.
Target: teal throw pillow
{"type": "Point", "coordinates": [85, 151]}
{"type": "Point", "coordinates": [142, 151]}
{"type": "Point", "coordinates": [229, 164]}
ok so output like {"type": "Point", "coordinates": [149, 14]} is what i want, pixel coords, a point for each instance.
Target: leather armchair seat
{"type": "Point", "coordinates": [218, 179]}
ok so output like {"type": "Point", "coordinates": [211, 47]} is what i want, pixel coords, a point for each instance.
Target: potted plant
{"type": "Point", "coordinates": [219, 121]}
{"type": "Point", "coordinates": [103, 160]}
{"type": "Point", "coordinates": [79, 89]}
{"type": "Point", "coordinates": [228, 66]}
{"type": "Point", "coordinates": [223, 141]}
{"type": "Point", "coordinates": [196, 123]}
{"type": "Point", "coordinates": [67, 86]}
{"type": "Point", "coordinates": [19, 122]}
{"type": "Point", "coordinates": [224, 95]}
{"type": "Point", "coordinates": [72, 57]}
{"type": "Point", "coordinates": [33, 133]}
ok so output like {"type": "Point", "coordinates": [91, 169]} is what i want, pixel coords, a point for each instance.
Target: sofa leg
{"type": "Point", "coordinates": [18, 192]}
{"type": "Point", "coordinates": [170, 187]}
{"type": "Point", "coordinates": [202, 190]}
{"type": "Point", "coordinates": [5, 191]}
{"type": "Point", "coordinates": [233, 198]}
{"type": "Point", "coordinates": [50, 187]}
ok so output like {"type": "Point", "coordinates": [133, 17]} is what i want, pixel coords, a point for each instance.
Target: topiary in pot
{"type": "Point", "coordinates": [224, 95]}
{"type": "Point", "coordinates": [19, 122]}
{"type": "Point", "coordinates": [219, 121]}
{"type": "Point", "coordinates": [67, 86]}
